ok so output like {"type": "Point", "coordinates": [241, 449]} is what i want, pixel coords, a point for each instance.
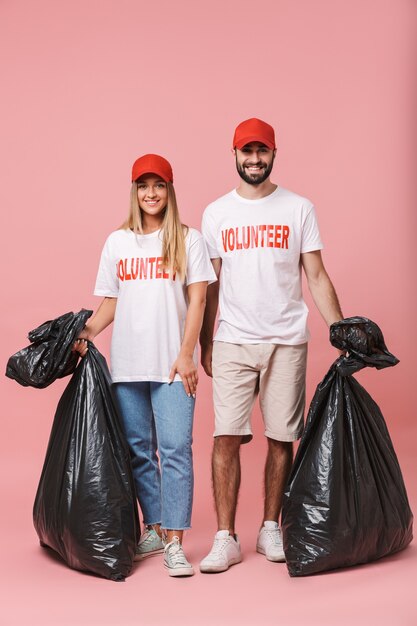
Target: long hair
{"type": "Point", "coordinates": [174, 258]}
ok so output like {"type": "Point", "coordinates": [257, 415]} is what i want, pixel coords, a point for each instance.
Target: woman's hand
{"type": "Point", "coordinates": [100, 321]}
{"type": "Point", "coordinates": [186, 368]}
{"type": "Point", "coordinates": [80, 345]}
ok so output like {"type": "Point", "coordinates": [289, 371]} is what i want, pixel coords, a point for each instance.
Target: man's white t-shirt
{"type": "Point", "coordinates": [260, 242]}
{"type": "Point", "coordinates": [151, 307]}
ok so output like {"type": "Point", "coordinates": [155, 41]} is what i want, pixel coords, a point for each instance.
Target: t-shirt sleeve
{"type": "Point", "coordinates": [310, 238]}
{"type": "Point", "coordinates": [107, 283]}
{"type": "Point", "coordinates": [209, 234]}
{"type": "Point", "coordinates": [199, 266]}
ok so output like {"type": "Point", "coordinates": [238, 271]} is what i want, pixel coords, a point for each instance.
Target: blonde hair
{"type": "Point", "coordinates": [174, 258]}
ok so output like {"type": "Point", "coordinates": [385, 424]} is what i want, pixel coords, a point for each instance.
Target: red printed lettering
{"type": "Point", "coordinates": [151, 263]}
{"type": "Point", "coordinates": [262, 228]}
{"type": "Point", "coordinates": [285, 235]}
{"type": "Point", "coordinates": [277, 242]}
{"type": "Point", "coordinates": [120, 273]}
{"type": "Point", "coordinates": [143, 269]}
{"type": "Point", "coordinates": [127, 275]}
{"type": "Point", "coordinates": [269, 235]}
{"type": "Point", "coordinates": [238, 243]}
{"type": "Point", "coordinates": [224, 239]}
{"type": "Point", "coordinates": [231, 239]}
{"type": "Point", "coordinates": [134, 270]}
{"type": "Point", "coordinates": [259, 236]}
{"type": "Point", "coordinates": [254, 236]}
{"type": "Point", "coordinates": [246, 240]}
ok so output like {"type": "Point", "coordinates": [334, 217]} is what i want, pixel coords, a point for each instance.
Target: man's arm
{"type": "Point", "coordinates": [207, 329]}
{"type": "Point", "coordinates": [321, 287]}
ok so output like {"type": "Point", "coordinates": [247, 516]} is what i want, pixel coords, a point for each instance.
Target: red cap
{"type": "Point", "coordinates": [152, 164]}
{"type": "Point", "coordinates": [254, 130]}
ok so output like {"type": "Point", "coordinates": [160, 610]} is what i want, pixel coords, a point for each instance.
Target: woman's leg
{"type": "Point", "coordinates": [134, 401]}
{"type": "Point", "coordinates": [173, 412]}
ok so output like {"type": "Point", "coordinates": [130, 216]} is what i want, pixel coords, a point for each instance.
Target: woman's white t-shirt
{"type": "Point", "coordinates": [151, 306]}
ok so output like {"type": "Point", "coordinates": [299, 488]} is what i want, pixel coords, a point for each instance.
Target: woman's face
{"type": "Point", "coordinates": [152, 194]}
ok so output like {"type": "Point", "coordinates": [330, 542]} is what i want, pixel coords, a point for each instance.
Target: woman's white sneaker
{"type": "Point", "coordinates": [175, 560]}
{"type": "Point", "coordinates": [269, 542]}
{"type": "Point", "coordinates": [224, 553]}
{"type": "Point", "coordinates": [150, 543]}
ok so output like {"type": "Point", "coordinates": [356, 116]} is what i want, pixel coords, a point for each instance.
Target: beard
{"type": "Point", "coordinates": [255, 179]}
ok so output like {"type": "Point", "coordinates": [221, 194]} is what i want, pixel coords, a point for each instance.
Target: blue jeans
{"type": "Point", "coordinates": [159, 417]}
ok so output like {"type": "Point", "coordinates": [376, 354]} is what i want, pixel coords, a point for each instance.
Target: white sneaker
{"type": "Point", "coordinates": [269, 542]}
{"type": "Point", "coordinates": [175, 560]}
{"type": "Point", "coordinates": [150, 543]}
{"type": "Point", "coordinates": [225, 552]}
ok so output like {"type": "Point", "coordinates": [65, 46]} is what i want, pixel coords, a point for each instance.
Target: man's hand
{"type": "Point", "coordinates": [206, 358]}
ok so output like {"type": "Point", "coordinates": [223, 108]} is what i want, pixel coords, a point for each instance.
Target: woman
{"type": "Point", "coordinates": [153, 275]}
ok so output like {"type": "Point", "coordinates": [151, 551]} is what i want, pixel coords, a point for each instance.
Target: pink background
{"type": "Point", "coordinates": [88, 86]}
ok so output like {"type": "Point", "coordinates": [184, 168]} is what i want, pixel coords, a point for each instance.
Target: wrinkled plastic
{"type": "Point", "coordinates": [345, 502]}
{"type": "Point", "coordinates": [49, 355]}
{"type": "Point", "coordinates": [85, 507]}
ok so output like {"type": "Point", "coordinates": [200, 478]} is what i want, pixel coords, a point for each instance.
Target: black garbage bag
{"type": "Point", "coordinates": [345, 502]}
{"type": "Point", "coordinates": [85, 507]}
{"type": "Point", "coordinates": [49, 354]}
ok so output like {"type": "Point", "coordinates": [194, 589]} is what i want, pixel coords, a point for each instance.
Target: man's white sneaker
{"type": "Point", "coordinates": [269, 542]}
{"type": "Point", "coordinates": [224, 553]}
{"type": "Point", "coordinates": [175, 560]}
{"type": "Point", "coordinates": [150, 543]}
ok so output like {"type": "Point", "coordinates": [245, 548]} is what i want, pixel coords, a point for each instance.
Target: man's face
{"type": "Point", "coordinates": [254, 162]}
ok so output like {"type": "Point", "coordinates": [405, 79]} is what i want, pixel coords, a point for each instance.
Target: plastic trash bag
{"type": "Point", "coordinates": [49, 355]}
{"type": "Point", "coordinates": [345, 502]}
{"type": "Point", "coordinates": [85, 507]}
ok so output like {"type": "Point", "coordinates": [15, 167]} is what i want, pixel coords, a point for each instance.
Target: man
{"type": "Point", "coordinates": [258, 236]}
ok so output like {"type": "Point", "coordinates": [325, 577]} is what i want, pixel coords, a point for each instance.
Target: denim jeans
{"type": "Point", "coordinates": [158, 417]}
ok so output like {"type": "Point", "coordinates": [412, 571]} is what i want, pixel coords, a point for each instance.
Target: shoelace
{"type": "Point", "coordinates": [219, 545]}
{"type": "Point", "coordinates": [146, 538]}
{"type": "Point", "coordinates": [274, 535]}
{"type": "Point", "coordinates": [175, 553]}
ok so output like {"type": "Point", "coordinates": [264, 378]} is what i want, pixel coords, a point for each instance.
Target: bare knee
{"type": "Point", "coordinates": [280, 448]}
{"type": "Point", "coordinates": [226, 446]}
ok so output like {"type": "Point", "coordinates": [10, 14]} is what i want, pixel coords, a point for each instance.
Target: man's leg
{"type": "Point", "coordinates": [235, 377]}
{"type": "Point", "coordinates": [282, 399]}
{"type": "Point", "coordinates": [226, 479]}
{"type": "Point", "coordinates": [277, 469]}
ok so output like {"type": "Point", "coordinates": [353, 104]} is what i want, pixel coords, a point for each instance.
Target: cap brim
{"type": "Point", "coordinates": [251, 138]}
{"type": "Point", "coordinates": [142, 173]}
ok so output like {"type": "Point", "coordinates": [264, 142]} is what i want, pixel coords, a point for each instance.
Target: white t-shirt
{"type": "Point", "coordinates": [151, 307]}
{"type": "Point", "coordinates": [260, 242]}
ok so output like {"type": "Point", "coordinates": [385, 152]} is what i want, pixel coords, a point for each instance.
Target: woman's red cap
{"type": "Point", "coordinates": [152, 164]}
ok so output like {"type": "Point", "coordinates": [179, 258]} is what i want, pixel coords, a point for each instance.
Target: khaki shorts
{"type": "Point", "coordinates": [275, 371]}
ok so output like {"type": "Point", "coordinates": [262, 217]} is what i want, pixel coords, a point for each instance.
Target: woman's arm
{"type": "Point", "coordinates": [103, 317]}
{"type": "Point", "coordinates": [184, 363]}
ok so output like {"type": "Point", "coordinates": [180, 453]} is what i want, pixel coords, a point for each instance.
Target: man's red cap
{"type": "Point", "coordinates": [254, 130]}
{"type": "Point", "coordinates": [152, 164]}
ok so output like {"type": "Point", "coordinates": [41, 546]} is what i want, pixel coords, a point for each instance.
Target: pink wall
{"type": "Point", "coordinates": [90, 85]}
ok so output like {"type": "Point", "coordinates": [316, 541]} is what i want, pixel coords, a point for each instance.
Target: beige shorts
{"type": "Point", "coordinates": [274, 371]}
